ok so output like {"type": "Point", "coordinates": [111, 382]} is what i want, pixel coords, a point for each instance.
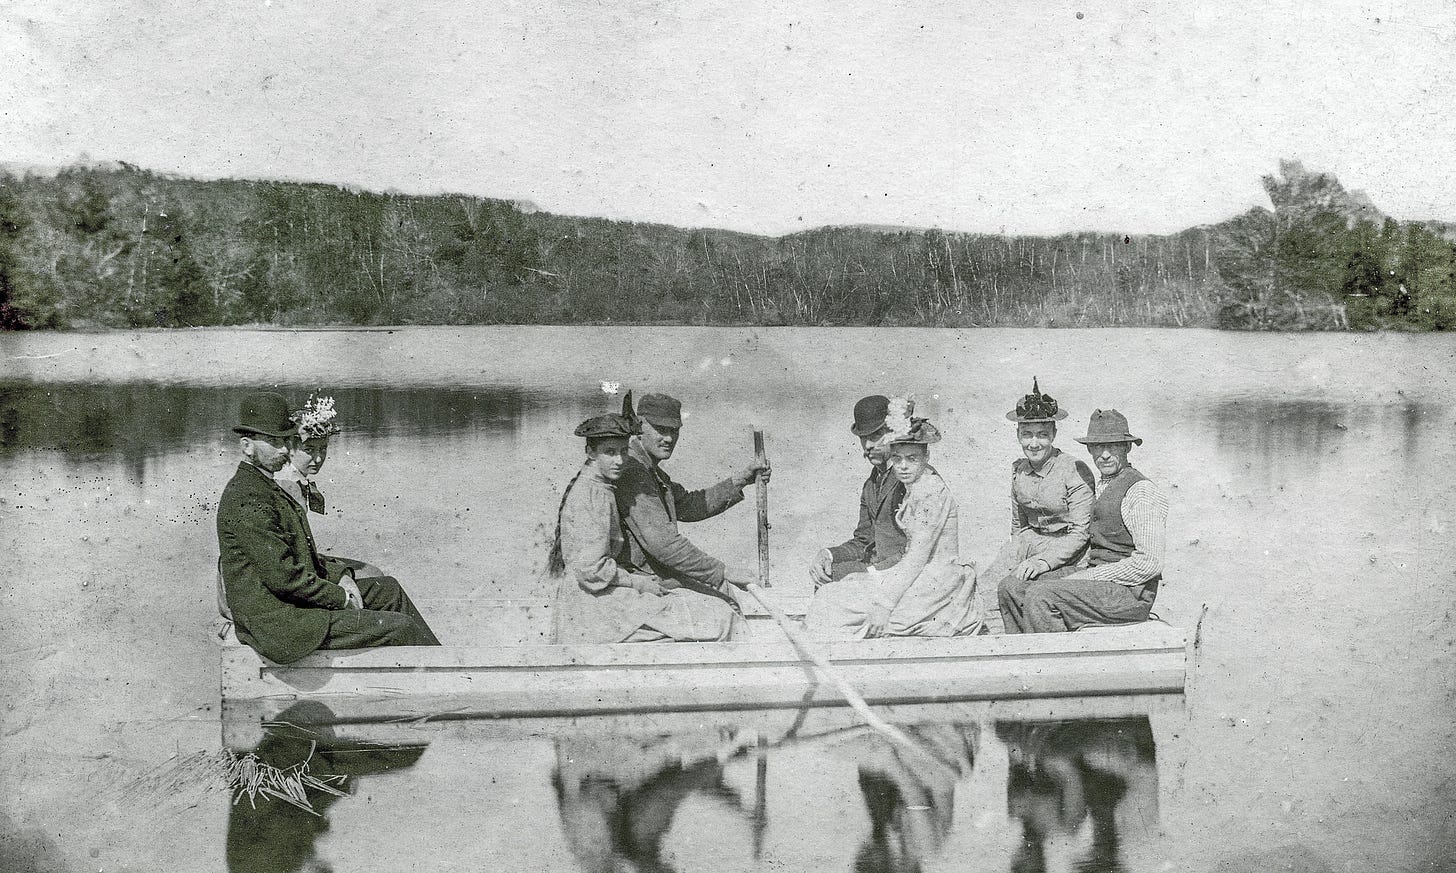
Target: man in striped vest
{"type": "Point", "coordinates": [1125, 560]}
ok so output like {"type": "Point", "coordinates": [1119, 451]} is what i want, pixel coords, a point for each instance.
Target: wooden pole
{"type": "Point", "coordinates": [763, 525]}
{"type": "Point", "coordinates": [760, 804]}
{"type": "Point", "coordinates": [827, 671]}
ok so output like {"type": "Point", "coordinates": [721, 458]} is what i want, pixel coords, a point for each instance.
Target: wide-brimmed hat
{"type": "Point", "coordinates": [265, 413]}
{"type": "Point", "coordinates": [905, 426]}
{"type": "Point", "coordinates": [921, 432]}
{"type": "Point", "coordinates": [1108, 426]}
{"type": "Point", "coordinates": [1036, 406]}
{"type": "Point", "coordinates": [604, 426]}
{"type": "Point", "coordinates": [660, 409]}
{"type": "Point", "coordinates": [869, 415]}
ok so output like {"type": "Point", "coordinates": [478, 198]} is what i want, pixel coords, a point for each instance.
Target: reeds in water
{"type": "Point", "coordinates": [247, 776]}
{"type": "Point", "coordinates": [242, 775]}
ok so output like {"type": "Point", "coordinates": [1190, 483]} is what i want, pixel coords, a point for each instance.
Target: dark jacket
{"type": "Point", "coordinates": [878, 540]}
{"type": "Point", "coordinates": [651, 505]}
{"type": "Point", "coordinates": [279, 590]}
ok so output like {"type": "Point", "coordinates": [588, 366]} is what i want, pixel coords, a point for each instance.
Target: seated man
{"type": "Point", "coordinates": [599, 600]}
{"type": "Point", "coordinates": [878, 541]}
{"type": "Point", "coordinates": [651, 505]}
{"type": "Point", "coordinates": [1125, 562]}
{"type": "Point", "coordinates": [283, 600]}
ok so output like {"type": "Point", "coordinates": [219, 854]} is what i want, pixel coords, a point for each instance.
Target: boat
{"type": "Point", "coordinates": [505, 675]}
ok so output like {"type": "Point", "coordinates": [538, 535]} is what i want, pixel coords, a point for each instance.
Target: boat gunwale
{"type": "Point", "coordinates": [1109, 641]}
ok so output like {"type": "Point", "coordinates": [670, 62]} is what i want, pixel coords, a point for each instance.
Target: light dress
{"type": "Point", "coordinates": [939, 602]}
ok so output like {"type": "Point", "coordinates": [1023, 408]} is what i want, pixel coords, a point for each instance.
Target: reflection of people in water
{"type": "Point", "coordinates": [618, 796]}
{"type": "Point", "coordinates": [1064, 773]}
{"type": "Point", "coordinates": [266, 834]}
{"type": "Point", "coordinates": [910, 799]}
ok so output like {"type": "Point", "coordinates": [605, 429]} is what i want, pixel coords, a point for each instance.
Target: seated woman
{"type": "Point", "coordinates": [317, 422]}
{"type": "Point", "coordinates": [927, 593]}
{"type": "Point", "coordinates": [1051, 501]}
{"type": "Point", "coordinates": [599, 600]}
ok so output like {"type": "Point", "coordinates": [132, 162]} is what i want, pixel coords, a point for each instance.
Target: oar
{"type": "Point", "coordinates": [808, 650]}
{"type": "Point", "coordinates": [758, 453]}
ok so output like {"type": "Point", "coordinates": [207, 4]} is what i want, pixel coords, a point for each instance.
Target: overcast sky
{"type": "Point", "coordinates": [759, 116]}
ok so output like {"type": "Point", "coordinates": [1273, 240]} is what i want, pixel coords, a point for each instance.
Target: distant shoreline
{"type": "Point", "coordinates": [102, 247]}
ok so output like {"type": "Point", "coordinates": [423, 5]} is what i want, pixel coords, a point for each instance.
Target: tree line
{"type": "Point", "coordinates": [119, 246]}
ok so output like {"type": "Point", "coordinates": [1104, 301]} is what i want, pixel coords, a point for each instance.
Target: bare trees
{"type": "Point", "coordinates": [120, 246]}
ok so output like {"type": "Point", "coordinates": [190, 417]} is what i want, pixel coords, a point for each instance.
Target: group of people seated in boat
{"type": "Point", "coordinates": [284, 598]}
{"type": "Point", "coordinates": [1083, 551]}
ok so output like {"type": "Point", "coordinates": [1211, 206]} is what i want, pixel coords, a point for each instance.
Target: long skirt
{"type": "Point", "coordinates": [1022, 545]}
{"type": "Point", "coordinates": [941, 602]}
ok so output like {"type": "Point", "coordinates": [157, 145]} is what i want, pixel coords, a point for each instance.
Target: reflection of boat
{"type": "Point", "coordinates": [1066, 774]}
{"type": "Point", "coordinates": [618, 794]}
{"type": "Point", "coordinates": [761, 672]}
{"type": "Point", "coordinates": [911, 801]}
{"type": "Point", "coordinates": [269, 834]}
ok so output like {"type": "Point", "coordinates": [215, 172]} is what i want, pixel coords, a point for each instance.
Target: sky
{"type": "Point", "coordinates": [768, 117]}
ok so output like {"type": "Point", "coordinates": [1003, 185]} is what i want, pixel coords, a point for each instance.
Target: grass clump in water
{"type": "Point", "coordinates": [247, 776]}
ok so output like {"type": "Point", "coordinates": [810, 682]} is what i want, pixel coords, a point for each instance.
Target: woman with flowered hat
{"type": "Point", "coordinates": [928, 592]}
{"type": "Point", "coordinates": [1051, 500]}
{"type": "Point", "coordinates": [317, 422]}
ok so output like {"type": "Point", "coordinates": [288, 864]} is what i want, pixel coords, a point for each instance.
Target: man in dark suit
{"type": "Point", "coordinates": [284, 599]}
{"type": "Point", "coordinates": [878, 541]}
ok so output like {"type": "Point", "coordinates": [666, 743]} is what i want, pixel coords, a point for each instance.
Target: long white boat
{"type": "Point", "coordinates": [524, 680]}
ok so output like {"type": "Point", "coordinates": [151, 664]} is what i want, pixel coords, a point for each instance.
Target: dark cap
{"type": "Point", "coordinates": [1108, 426]}
{"type": "Point", "coordinates": [660, 409]}
{"type": "Point", "coordinates": [265, 413]}
{"type": "Point", "coordinates": [869, 415]}
{"type": "Point", "coordinates": [604, 426]}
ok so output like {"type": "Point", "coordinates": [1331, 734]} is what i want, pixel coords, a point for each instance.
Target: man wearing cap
{"type": "Point", "coordinates": [878, 541]}
{"type": "Point", "coordinates": [599, 598]}
{"type": "Point", "coordinates": [1125, 559]}
{"type": "Point", "coordinates": [284, 600]}
{"type": "Point", "coordinates": [652, 504]}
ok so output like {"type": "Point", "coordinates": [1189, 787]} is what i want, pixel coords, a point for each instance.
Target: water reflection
{"type": "Point", "coordinates": [618, 796]}
{"type": "Point", "coordinates": [1066, 775]}
{"type": "Point", "coordinates": [135, 421]}
{"type": "Point", "coordinates": [910, 798]}
{"type": "Point", "coordinates": [1080, 791]}
{"type": "Point", "coordinates": [268, 835]}
{"type": "Point", "coordinates": [1269, 434]}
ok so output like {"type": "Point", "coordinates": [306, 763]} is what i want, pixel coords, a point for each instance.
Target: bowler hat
{"type": "Point", "coordinates": [604, 426]}
{"type": "Point", "coordinates": [1036, 406]}
{"type": "Point", "coordinates": [265, 413]}
{"type": "Point", "coordinates": [660, 409]}
{"type": "Point", "coordinates": [1108, 426]}
{"type": "Point", "coordinates": [869, 415]}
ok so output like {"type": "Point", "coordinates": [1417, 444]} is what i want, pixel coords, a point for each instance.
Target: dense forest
{"type": "Point", "coordinates": [118, 246]}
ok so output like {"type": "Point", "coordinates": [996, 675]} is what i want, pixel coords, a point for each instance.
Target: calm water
{"type": "Point", "coordinates": [1309, 543]}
